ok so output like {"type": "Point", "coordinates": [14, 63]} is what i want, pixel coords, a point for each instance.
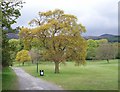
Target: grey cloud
{"type": "Point", "coordinates": [100, 16]}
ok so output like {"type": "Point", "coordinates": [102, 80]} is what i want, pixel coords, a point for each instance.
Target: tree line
{"type": "Point", "coordinates": [96, 50]}
{"type": "Point", "coordinates": [102, 50]}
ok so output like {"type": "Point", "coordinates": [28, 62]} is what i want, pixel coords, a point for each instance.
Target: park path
{"type": "Point", "coordinates": [28, 82]}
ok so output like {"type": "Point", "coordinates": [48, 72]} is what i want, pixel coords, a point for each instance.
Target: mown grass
{"type": "Point", "coordinates": [98, 75]}
{"type": "Point", "coordinates": [9, 79]}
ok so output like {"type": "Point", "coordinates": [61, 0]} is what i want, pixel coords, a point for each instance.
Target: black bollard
{"type": "Point", "coordinates": [41, 72]}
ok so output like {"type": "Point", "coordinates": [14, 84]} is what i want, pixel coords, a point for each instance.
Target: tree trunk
{"type": "Point", "coordinates": [23, 63]}
{"type": "Point", "coordinates": [32, 61]}
{"type": "Point", "coordinates": [108, 60]}
{"type": "Point", "coordinates": [37, 67]}
{"type": "Point", "coordinates": [56, 67]}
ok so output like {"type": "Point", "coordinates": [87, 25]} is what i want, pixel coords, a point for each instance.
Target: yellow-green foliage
{"type": "Point", "coordinates": [25, 36]}
{"type": "Point", "coordinates": [58, 34]}
{"type": "Point", "coordinates": [23, 56]}
{"type": "Point", "coordinates": [14, 44]}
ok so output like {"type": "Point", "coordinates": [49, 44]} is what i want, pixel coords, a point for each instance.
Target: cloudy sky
{"type": "Point", "coordinates": [98, 16]}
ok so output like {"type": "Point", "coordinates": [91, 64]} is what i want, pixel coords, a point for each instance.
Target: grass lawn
{"type": "Point", "coordinates": [93, 76]}
{"type": "Point", "coordinates": [9, 79]}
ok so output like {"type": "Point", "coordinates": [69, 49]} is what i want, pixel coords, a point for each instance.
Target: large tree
{"type": "Point", "coordinates": [10, 13]}
{"type": "Point", "coordinates": [59, 35]}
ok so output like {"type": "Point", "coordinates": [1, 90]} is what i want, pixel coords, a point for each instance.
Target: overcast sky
{"type": "Point", "coordinates": [98, 16]}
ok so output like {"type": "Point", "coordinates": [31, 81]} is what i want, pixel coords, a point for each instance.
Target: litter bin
{"type": "Point", "coordinates": [41, 72]}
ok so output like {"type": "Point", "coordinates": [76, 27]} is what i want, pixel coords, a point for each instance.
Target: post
{"type": "Point", "coordinates": [108, 60]}
{"type": "Point", "coordinates": [37, 67]}
{"type": "Point", "coordinates": [23, 63]}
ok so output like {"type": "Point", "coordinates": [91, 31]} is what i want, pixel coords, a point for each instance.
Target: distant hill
{"type": "Point", "coordinates": [106, 35]}
{"type": "Point", "coordinates": [12, 36]}
{"type": "Point", "coordinates": [109, 37]}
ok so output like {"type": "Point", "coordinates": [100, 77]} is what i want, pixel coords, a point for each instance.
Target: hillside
{"type": "Point", "coordinates": [109, 37]}
{"type": "Point", "coordinates": [12, 36]}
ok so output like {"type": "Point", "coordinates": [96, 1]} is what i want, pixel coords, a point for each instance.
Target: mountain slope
{"type": "Point", "coordinates": [109, 37]}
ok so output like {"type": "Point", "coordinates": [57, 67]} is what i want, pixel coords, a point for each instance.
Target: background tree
{"type": "Point", "coordinates": [10, 13]}
{"type": "Point", "coordinates": [105, 51]}
{"type": "Point", "coordinates": [60, 37]}
{"type": "Point", "coordinates": [91, 49]}
{"type": "Point", "coordinates": [35, 56]}
{"type": "Point", "coordinates": [118, 51]}
{"type": "Point", "coordinates": [23, 56]}
{"type": "Point", "coordinates": [116, 47]}
{"type": "Point", "coordinates": [102, 41]}
{"type": "Point", "coordinates": [15, 46]}
{"type": "Point", "coordinates": [25, 37]}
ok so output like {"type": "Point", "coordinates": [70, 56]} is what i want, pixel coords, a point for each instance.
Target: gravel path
{"type": "Point", "coordinates": [28, 82]}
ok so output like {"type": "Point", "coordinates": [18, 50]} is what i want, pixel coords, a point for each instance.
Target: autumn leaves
{"type": "Point", "coordinates": [59, 36]}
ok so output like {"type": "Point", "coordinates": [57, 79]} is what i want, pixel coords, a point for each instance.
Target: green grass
{"type": "Point", "coordinates": [9, 79]}
{"type": "Point", "coordinates": [93, 76]}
